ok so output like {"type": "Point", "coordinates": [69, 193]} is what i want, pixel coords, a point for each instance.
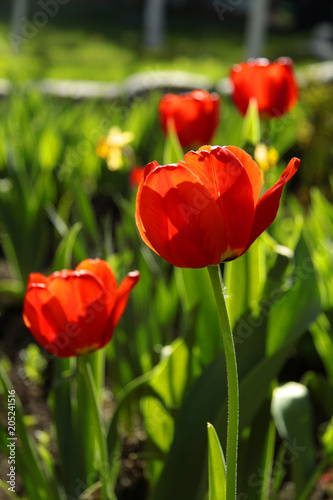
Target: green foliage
{"type": "Point", "coordinates": [292, 412]}
{"type": "Point", "coordinates": [34, 363]}
{"type": "Point", "coordinates": [164, 369]}
{"type": "Point", "coordinates": [36, 472]}
{"type": "Point", "coordinates": [217, 481]}
{"type": "Point", "coordinates": [251, 124]}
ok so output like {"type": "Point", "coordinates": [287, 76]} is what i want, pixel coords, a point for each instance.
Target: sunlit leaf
{"type": "Point", "coordinates": [157, 422]}
{"type": "Point", "coordinates": [216, 466]}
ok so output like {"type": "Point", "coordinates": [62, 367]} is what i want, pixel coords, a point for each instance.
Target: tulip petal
{"type": "Point", "coordinates": [46, 320]}
{"type": "Point", "coordinates": [138, 221]}
{"type": "Point", "coordinates": [101, 270]}
{"type": "Point", "coordinates": [273, 85]}
{"type": "Point", "coordinates": [268, 204]}
{"type": "Point", "coordinates": [283, 89]}
{"type": "Point", "coordinates": [174, 211]}
{"type": "Point", "coordinates": [122, 298]}
{"type": "Point", "coordinates": [222, 172]}
{"type": "Point", "coordinates": [35, 278]}
{"type": "Point", "coordinates": [252, 169]}
{"type": "Point", "coordinates": [85, 303]}
{"type": "Point", "coordinates": [193, 115]}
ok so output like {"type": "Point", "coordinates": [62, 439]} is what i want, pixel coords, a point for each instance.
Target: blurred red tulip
{"type": "Point", "coordinates": [194, 115]}
{"type": "Point", "coordinates": [206, 209]}
{"type": "Point", "coordinates": [75, 312]}
{"type": "Point", "coordinates": [136, 175]}
{"type": "Point", "coordinates": [272, 84]}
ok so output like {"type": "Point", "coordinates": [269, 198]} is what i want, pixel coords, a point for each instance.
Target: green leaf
{"type": "Point", "coordinates": [87, 214]}
{"type": "Point", "coordinates": [216, 466]}
{"type": "Point", "coordinates": [256, 455]}
{"type": "Point", "coordinates": [63, 256]}
{"type": "Point", "coordinates": [157, 422]}
{"type": "Point", "coordinates": [282, 131]}
{"type": "Point", "coordinates": [173, 151]}
{"type": "Point", "coordinates": [123, 398]}
{"type": "Point", "coordinates": [295, 310]}
{"type": "Point", "coordinates": [12, 287]}
{"type": "Point", "coordinates": [251, 123]}
{"type": "Point", "coordinates": [197, 298]}
{"type": "Point", "coordinates": [231, 125]}
{"type": "Point", "coordinates": [321, 332]}
{"type": "Point", "coordinates": [292, 412]}
{"type": "Point", "coordinates": [12, 495]}
{"type": "Point", "coordinates": [34, 363]}
{"type": "Point", "coordinates": [327, 438]}
{"type": "Point", "coordinates": [321, 391]}
{"type": "Point", "coordinates": [49, 148]}
{"type": "Point", "coordinates": [171, 374]}
{"type": "Point", "coordinates": [318, 232]}
{"type": "Point", "coordinates": [64, 411]}
{"type": "Point", "coordinates": [244, 279]}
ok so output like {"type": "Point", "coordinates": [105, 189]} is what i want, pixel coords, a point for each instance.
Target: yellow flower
{"type": "Point", "coordinates": [266, 158]}
{"type": "Point", "coordinates": [111, 147]}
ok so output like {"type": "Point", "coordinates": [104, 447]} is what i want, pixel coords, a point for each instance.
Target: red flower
{"type": "Point", "coordinates": [74, 312]}
{"type": "Point", "coordinates": [195, 116]}
{"type": "Point", "coordinates": [136, 175]}
{"type": "Point", "coordinates": [273, 85]}
{"type": "Point", "coordinates": [206, 209]}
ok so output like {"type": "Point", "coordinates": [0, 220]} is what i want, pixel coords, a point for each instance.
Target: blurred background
{"type": "Point", "coordinates": [107, 40]}
{"type": "Point", "coordinates": [61, 203]}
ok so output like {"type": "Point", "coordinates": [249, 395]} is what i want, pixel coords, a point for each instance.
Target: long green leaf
{"type": "Point", "coordinates": [321, 332]}
{"type": "Point", "coordinates": [172, 149]}
{"type": "Point", "coordinates": [251, 123]}
{"type": "Point", "coordinates": [216, 466]}
{"type": "Point", "coordinates": [197, 298]}
{"type": "Point", "coordinates": [256, 453]}
{"type": "Point", "coordinates": [244, 279]}
{"type": "Point", "coordinates": [87, 215]}
{"type": "Point", "coordinates": [293, 312]}
{"type": "Point", "coordinates": [63, 256]}
{"type": "Point", "coordinates": [157, 422]}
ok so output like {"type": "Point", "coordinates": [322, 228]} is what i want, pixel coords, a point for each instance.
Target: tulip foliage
{"type": "Point", "coordinates": [109, 269]}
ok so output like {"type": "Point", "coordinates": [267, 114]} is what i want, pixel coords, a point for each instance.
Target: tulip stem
{"type": "Point", "coordinates": [232, 381]}
{"type": "Point", "coordinates": [107, 492]}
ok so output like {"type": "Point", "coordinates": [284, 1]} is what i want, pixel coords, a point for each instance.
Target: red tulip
{"type": "Point", "coordinates": [194, 115]}
{"type": "Point", "coordinates": [273, 85]}
{"type": "Point", "coordinates": [75, 312]}
{"type": "Point", "coordinates": [206, 209]}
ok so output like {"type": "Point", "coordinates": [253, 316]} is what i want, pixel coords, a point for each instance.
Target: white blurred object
{"type": "Point", "coordinates": [321, 43]}
{"type": "Point", "coordinates": [257, 20]}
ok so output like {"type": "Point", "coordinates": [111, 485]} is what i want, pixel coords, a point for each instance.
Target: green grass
{"type": "Point", "coordinates": [107, 46]}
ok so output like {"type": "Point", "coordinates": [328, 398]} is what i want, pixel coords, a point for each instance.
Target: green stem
{"type": "Point", "coordinates": [232, 378]}
{"type": "Point", "coordinates": [106, 493]}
